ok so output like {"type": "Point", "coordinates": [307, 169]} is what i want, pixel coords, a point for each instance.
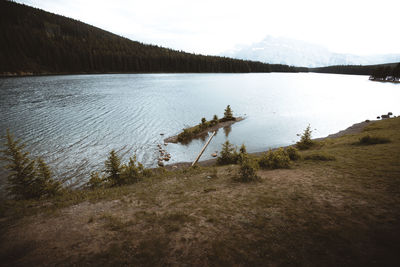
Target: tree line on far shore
{"type": "Point", "coordinates": [386, 73]}
{"type": "Point", "coordinates": [378, 72]}
{"type": "Point", "coordinates": [33, 41]}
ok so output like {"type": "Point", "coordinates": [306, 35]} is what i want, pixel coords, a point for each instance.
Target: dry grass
{"type": "Point", "coordinates": [317, 213]}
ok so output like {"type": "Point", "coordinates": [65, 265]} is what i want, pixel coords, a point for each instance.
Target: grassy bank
{"type": "Point", "coordinates": [338, 205]}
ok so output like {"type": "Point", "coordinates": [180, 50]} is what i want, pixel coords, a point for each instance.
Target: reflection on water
{"type": "Point", "coordinates": [74, 121]}
{"type": "Point", "coordinates": [227, 130]}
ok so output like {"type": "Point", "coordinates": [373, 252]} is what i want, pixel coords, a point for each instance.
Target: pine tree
{"type": "Point", "coordinates": [228, 113]}
{"type": "Point", "coordinates": [22, 173]}
{"type": "Point", "coordinates": [203, 123]}
{"type": "Point", "coordinates": [44, 181]}
{"type": "Point", "coordinates": [215, 120]}
{"type": "Point", "coordinates": [305, 140]}
{"type": "Point", "coordinates": [113, 169]}
{"type": "Point", "coordinates": [27, 178]}
{"type": "Point", "coordinates": [228, 154]}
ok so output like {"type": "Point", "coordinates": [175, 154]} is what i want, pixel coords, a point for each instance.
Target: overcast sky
{"type": "Point", "coordinates": [214, 26]}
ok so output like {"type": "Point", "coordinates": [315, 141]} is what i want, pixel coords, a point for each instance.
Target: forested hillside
{"type": "Point", "coordinates": [33, 41]}
{"type": "Point", "coordinates": [377, 71]}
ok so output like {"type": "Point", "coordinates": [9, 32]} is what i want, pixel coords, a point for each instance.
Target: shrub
{"type": "Point", "coordinates": [277, 159]}
{"type": "Point", "coordinates": [117, 174]}
{"type": "Point", "coordinates": [305, 140]}
{"type": "Point", "coordinates": [242, 154]}
{"type": "Point", "coordinates": [133, 171]}
{"type": "Point", "coordinates": [372, 140]}
{"type": "Point", "coordinates": [248, 169]}
{"type": "Point", "coordinates": [319, 157]}
{"type": "Point", "coordinates": [27, 178]}
{"type": "Point", "coordinates": [293, 153]}
{"type": "Point", "coordinates": [185, 135]}
{"type": "Point", "coordinates": [204, 123]}
{"type": "Point", "coordinates": [215, 120]}
{"type": "Point", "coordinates": [95, 181]}
{"type": "Point", "coordinates": [228, 154]}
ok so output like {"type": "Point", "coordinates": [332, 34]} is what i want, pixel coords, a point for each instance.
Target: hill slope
{"type": "Point", "coordinates": [34, 41]}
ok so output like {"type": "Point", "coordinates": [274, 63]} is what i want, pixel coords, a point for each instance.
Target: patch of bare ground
{"type": "Point", "coordinates": [343, 212]}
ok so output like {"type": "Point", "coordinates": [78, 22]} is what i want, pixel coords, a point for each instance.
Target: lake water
{"type": "Point", "coordinates": [73, 121]}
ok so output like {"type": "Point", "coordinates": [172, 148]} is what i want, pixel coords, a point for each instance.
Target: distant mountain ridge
{"type": "Point", "coordinates": [33, 41]}
{"type": "Point", "coordinates": [279, 50]}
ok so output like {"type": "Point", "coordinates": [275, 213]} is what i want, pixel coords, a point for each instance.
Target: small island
{"type": "Point", "coordinates": [204, 127]}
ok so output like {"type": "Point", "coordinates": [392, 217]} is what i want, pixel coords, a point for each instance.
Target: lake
{"type": "Point", "coordinates": [73, 121]}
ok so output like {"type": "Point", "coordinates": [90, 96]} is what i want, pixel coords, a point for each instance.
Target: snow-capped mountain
{"type": "Point", "coordinates": [279, 50]}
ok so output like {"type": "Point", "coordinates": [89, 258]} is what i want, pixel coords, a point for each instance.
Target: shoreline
{"type": "Point", "coordinates": [353, 129]}
{"type": "Point", "coordinates": [384, 81]}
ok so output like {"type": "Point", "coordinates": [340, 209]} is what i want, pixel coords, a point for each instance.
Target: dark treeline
{"type": "Point", "coordinates": [33, 41]}
{"type": "Point", "coordinates": [381, 71]}
{"type": "Point", "coordinates": [387, 73]}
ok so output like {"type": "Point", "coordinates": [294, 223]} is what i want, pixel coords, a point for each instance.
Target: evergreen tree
{"type": "Point", "coordinates": [228, 154]}
{"type": "Point", "coordinates": [305, 140]}
{"type": "Point", "coordinates": [113, 169]}
{"type": "Point", "coordinates": [215, 120]}
{"type": "Point", "coordinates": [44, 181]}
{"type": "Point", "coordinates": [203, 123]}
{"type": "Point", "coordinates": [396, 71]}
{"type": "Point", "coordinates": [228, 113]}
{"type": "Point", "coordinates": [22, 173]}
{"type": "Point", "coordinates": [25, 179]}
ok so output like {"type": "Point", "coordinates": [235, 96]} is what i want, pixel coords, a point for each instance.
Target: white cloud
{"type": "Point", "coordinates": [211, 27]}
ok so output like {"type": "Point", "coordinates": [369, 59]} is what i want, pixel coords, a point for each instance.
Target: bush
{"type": "Point", "coordinates": [27, 178]}
{"type": "Point", "coordinates": [215, 120]}
{"type": "Point", "coordinates": [117, 174]}
{"type": "Point", "coordinates": [277, 159]}
{"type": "Point", "coordinates": [372, 140]}
{"type": "Point", "coordinates": [293, 153]}
{"type": "Point", "coordinates": [248, 169]}
{"type": "Point", "coordinates": [228, 154]}
{"type": "Point", "coordinates": [204, 124]}
{"type": "Point", "coordinates": [133, 172]}
{"type": "Point", "coordinates": [305, 140]}
{"type": "Point", "coordinates": [242, 154]}
{"type": "Point", "coordinates": [95, 181]}
{"type": "Point", "coordinates": [319, 157]}
{"type": "Point", "coordinates": [185, 135]}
